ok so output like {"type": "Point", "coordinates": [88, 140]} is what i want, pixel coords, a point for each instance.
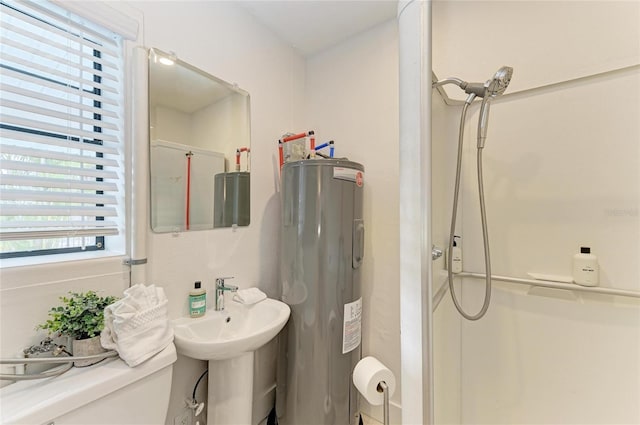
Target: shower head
{"type": "Point", "coordinates": [493, 87]}
{"type": "Point", "coordinates": [488, 90]}
{"type": "Point", "coordinates": [498, 84]}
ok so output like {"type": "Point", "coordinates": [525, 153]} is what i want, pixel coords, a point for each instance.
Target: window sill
{"type": "Point", "coordinates": [8, 263]}
{"type": "Point", "coordinates": [23, 273]}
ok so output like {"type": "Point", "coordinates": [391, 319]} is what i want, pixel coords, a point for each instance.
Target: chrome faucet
{"type": "Point", "coordinates": [220, 288]}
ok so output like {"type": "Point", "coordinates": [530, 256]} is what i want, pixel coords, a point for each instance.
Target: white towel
{"type": "Point", "coordinates": [249, 296]}
{"type": "Point", "coordinates": [137, 326]}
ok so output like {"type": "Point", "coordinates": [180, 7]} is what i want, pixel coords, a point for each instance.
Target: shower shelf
{"type": "Point", "coordinates": [443, 287]}
{"type": "Point", "coordinates": [556, 285]}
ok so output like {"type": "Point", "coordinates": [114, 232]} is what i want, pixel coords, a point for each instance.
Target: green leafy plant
{"type": "Point", "coordinates": [80, 316]}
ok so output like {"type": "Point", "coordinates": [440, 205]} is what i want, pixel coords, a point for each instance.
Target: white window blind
{"type": "Point", "coordinates": [61, 130]}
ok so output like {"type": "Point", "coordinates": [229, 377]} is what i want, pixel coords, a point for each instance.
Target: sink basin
{"type": "Point", "coordinates": [238, 329]}
{"type": "Point", "coordinates": [227, 340]}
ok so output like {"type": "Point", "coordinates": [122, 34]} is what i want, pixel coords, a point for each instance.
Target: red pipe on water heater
{"type": "Point", "coordinates": [293, 137]}
{"type": "Point", "coordinates": [238, 151]}
{"type": "Point", "coordinates": [189, 155]}
{"type": "Point", "coordinates": [297, 136]}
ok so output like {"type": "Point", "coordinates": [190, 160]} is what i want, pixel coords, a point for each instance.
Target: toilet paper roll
{"type": "Point", "coordinates": [367, 374]}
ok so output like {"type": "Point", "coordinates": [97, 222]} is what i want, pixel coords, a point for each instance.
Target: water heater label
{"type": "Point", "coordinates": [350, 174]}
{"type": "Point", "coordinates": [352, 326]}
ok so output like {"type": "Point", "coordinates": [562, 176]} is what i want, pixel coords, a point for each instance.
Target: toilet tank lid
{"type": "Point", "coordinates": [40, 400]}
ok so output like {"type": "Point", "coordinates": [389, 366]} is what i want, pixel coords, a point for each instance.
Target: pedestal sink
{"type": "Point", "coordinates": [228, 339]}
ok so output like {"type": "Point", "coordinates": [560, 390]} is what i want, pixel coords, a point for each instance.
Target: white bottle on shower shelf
{"type": "Point", "coordinates": [585, 267]}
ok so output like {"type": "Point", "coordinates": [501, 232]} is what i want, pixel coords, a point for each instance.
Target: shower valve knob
{"type": "Point", "coordinates": [435, 252]}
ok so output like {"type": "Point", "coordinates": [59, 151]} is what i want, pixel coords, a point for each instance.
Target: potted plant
{"type": "Point", "coordinates": [81, 318]}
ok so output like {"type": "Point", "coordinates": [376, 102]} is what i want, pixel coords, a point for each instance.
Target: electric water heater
{"type": "Point", "coordinates": [322, 247]}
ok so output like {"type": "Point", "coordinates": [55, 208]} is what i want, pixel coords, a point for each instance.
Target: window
{"type": "Point", "coordinates": [61, 131]}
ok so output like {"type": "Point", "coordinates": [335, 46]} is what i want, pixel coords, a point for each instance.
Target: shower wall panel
{"type": "Point", "coordinates": [446, 321]}
{"type": "Point", "coordinates": [562, 170]}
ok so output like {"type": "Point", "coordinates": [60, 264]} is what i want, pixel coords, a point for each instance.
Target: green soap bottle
{"type": "Point", "coordinates": [197, 301]}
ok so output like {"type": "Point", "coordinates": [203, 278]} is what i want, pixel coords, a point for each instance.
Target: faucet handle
{"type": "Point", "coordinates": [223, 287]}
{"type": "Point", "coordinates": [220, 280]}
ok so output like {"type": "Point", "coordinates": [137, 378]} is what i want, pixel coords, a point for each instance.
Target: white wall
{"type": "Point", "coordinates": [359, 110]}
{"type": "Point", "coordinates": [352, 98]}
{"type": "Point", "coordinates": [339, 104]}
{"type": "Point", "coordinates": [171, 125]}
{"type": "Point", "coordinates": [274, 93]}
{"type": "Point", "coordinates": [225, 41]}
{"type": "Point", "coordinates": [222, 126]}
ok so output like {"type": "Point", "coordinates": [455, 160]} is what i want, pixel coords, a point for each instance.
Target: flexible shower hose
{"type": "Point", "coordinates": [485, 234]}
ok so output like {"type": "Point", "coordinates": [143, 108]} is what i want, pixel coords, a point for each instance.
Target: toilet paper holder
{"type": "Point", "coordinates": [384, 389]}
{"type": "Point", "coordinates": [375, 382]}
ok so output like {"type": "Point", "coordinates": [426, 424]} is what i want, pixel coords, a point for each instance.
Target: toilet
{"type": "Point", "coordinates": [109, 392]}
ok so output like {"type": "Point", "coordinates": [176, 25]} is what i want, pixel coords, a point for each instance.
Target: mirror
{"type": "Point", "coordinates": [199, 141]}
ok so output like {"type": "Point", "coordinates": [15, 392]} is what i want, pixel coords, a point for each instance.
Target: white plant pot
{"type": "Point", "coordinates": [87, 347]}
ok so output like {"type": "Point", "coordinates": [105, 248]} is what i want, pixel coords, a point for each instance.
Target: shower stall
{"type": "Point", "coordinates": [561, 171]}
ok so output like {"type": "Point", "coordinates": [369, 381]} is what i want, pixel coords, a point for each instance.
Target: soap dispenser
{"type": "Point", "coordinates": [197, 300]}
{"type": "Point", "coordinates": [585, 267]}
{"type": "Point", "coordinates": [456, 257]}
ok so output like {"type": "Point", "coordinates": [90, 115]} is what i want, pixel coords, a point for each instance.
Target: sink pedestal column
{"type": "Point", "coordinates": [230, 399]}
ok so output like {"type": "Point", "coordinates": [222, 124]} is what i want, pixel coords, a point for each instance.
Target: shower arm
{"type": "Point", "coordinates": [473, 90]}
{"type": "Point", "coordinates": [451, 80]}
{"type": "Point", "coordinates": [463, 85]}
{"type": "Point", "coordinates": [479, 89]}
